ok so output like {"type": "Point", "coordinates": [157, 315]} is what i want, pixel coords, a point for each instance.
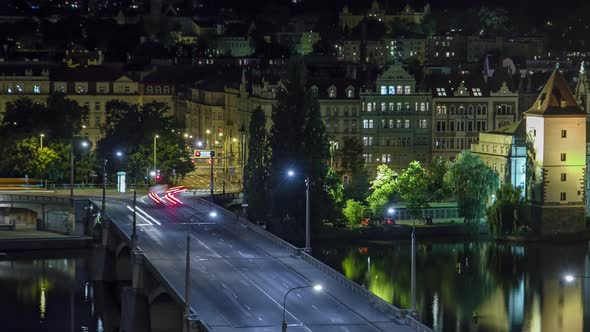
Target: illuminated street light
{"type": "Point", "coordinates": [119, 153]}
{"type": "Point", "coordinates": [199, 144]}
{"type": "Point", "coordinates": [316, 288]}
{"type": "Point", "coordinates": [208, 131]}
{"type": "Point", "coordinates": [569, 278]}
{"type": "Point", "coordinates": [41, 140]}
{"type": "Point", "coordinates": [391, 211]}
{"type": "Point", "coordinates": [291, 173]}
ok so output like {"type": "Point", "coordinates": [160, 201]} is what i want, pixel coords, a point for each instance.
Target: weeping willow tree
{"type": "Point", "coordinates": [506, 214]}
{"type": "Point", "coordinates": [473, 183]}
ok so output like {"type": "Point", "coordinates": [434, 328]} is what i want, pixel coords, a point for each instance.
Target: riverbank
{"type": "Point", "coordinates": [403, 232]}
{"type": "Point", "coordinates": [39, 240]}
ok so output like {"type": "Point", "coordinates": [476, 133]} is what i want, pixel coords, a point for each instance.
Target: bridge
{"type": "Point", "coordinates": [238, 278]}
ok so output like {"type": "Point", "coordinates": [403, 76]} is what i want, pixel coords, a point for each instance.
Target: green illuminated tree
{"type": "Point", "coordinates": [412, 187]}
{"type": "Point", "coordinates": [473, 182]}
{"type": "Point", "coordinates": [437, 186]}
{"type": "Point", "coordinates": [353, 211]}
{"type": "Point", "coordinates": [506, 214]}
{"type": "Point", "coordinates": [382, 189]}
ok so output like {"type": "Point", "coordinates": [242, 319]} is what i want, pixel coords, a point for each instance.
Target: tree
{"type": "Point", "coordinates": [352, 155]}
{"type": "Point", "coordinates": [437, 186]}
{"type": "Point", "coordinates": [353, 211]}
{"type": "Point", "coordinates": [299, 142]}
{"type": "Point", "coordinates": [358, 187]}
{"type": "Point", "coordinates": [120, 134]}
{"type": "Point", "coordinates": [473, 182]}
{"type": "Point", "coordinates": [382, 189]}
{"type": "Point", "coordinates": [505, 215]}
{"type": "Point", "coordinates": [257, 167]}
{"type": "Point", "coordinates": [412, 187]}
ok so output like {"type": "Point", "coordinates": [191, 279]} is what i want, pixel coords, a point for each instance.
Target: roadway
{"type": "Point", "coordinates": [238, 280]}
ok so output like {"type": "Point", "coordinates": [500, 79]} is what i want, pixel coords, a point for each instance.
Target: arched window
{"type": "Point", "coordinates": [150, 90]}
{"type": "Point", "coordinates": [158, 90]}
{"type": "Point", "coordinates": [470, 109]}
{"type": "Point", "coordinates": [166, 90]}
{"type": "Point", "coordinates": [452, 109]}
{"type": "Point", "coordinates": [484, 110]}
{"type": "Point", "coordinates": [461, 110]}
{"type": "Point", "coordinates": [422, 107]}
{"type": "Point", "coordinates": [478, 109]}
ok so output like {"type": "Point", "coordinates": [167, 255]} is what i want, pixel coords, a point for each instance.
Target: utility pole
{"type": "Point", "coordinates": [307, 221]}
{"type": "Point", "coordinates": [104, 184]}
{"type": "Point", "coordinates": [212, 155]}
{"type": "Point", "coordinates": [134, 231]}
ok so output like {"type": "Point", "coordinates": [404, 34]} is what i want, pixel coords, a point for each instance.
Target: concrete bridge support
{"type": "Point", "coordinates": [166, 315]}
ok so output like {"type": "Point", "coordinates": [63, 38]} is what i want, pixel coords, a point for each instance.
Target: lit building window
{"type": "Point", "coordinates": [441, 92]}
{"type": "Point", "coordinates": [399, 90]}
{"type": "Point", "coordinates": [477, 92]}
{"type": "Point", "coordinates": [383, 90]}
{"type": "Point", "coordinates": [408, 90]}
{"type": "Point", "coordinates": [150, 90]}
{"type": "Point", "coordinates": [391, 90]}
{"type": "Point", "coordinates": [36, 89]}
{"type": "Point", "coordinates": [19, 88]}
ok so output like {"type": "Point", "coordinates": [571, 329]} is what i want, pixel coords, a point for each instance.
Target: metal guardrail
{"type": "Point", "coordinates": [33, 199]}
{"type": "Point", "coordinates": [416, 325]}
{"type": "Point", "coordinates": [341, 279]}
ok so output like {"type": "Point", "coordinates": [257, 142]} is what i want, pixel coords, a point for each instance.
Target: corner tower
{"type": "Point", "coordinates": [556, 125]}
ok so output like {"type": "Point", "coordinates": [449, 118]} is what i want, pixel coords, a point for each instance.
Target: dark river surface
{"type": "Point", "coordinates": [507, 287]}
{"type": "Point", "coordinates": [54, 291]}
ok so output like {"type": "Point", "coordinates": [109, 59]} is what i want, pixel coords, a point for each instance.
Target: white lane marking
{"type": "Point", "coordinates": [150, 217]}
{"type": "Point", "coordinates": [142, 217]}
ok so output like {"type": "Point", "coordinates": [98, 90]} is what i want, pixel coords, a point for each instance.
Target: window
{"type": "Point", "coordinates": [97, 121]}
{"type": "Point", "coordinates": [563, 157]}
{"type": "Point", "coordinates": [36, 89]}
{"type": "Point", "coordinates": [407, 106]}
{"type": "Point", "coordinates": [563, 177]}
{"type": "Point", "coordinates": [102, 89]}
{"type": "Point", "coordinates": [9, 89]}
{"type": "Point", "coordinates": [422, 107]}
{"type": "Point", "coordinates": [368, 157]}
{"type": "Point", "coordinates": [158, 90]}
{"type": "Point", "coordinates": [166, 90]}
{"type": "Point", "coordinates": [476, 92]}
{"type": "Point", "coordinates": [441, 92]}
{"type": "Point", "coordinates": [386, 158]}
{"type": "Point", "coordinates": [391, 90]}
{"type": "Point", "coordinates": [563, 133]}
{"type": "Point", "coordinates": [150, 90]}
{"type": "Point", "coordinates": [369, 107]}
{"type": "Point", "coordinates": [399, 90]}
{"type": "Point", "coordinates": [383, 106]}
{"type": "Point", "coordinates": [383, 90]}
{"type": "Point", "coordinates": [332, 93]}
{"type": "Point", "coordinates": [399, 106]}
{"type": "Point", "coordinates": [422, 124]}
{"type": "Point", "coordinates": [367, 141]}
{"type": "Point", "coordinates": [97, 106]}
{"type": "Point", "coordinates": [391, 106]}
{"type": "Point", "coordinates": [19, 88]}
{"type": "Point", "coordinates": [562, 196]}
{"type": "Point", "coordinates": [126, 89]}
{"type": "Point", "coordinates": [367, 124]}
{"type": "Point", "coordinates": [408, 90]}
{"type": "Point", "coordinates": [406, 124]}
{"type": "Point", "coordinates": [80, 88]}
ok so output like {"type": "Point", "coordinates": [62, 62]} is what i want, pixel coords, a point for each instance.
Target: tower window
{"type": "Point", "coordinates": [563, 133]}
{"type": "Point", "coordinates": [562, 196]}
{"type": "Point", "coordinates": [563, 177]}
{"type": "Point", "coordinates": [563, 157]}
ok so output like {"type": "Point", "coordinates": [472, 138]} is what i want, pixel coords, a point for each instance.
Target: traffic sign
{"type": "Point", "coordinates": [203, 154]}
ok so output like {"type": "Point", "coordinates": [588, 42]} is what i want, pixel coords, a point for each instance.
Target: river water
{"type": "Point", "coordinates": [476, 286]}
{"type": "Point", "coordinates": [54, 292]}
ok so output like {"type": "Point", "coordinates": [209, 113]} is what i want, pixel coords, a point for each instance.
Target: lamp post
{"type": "Point", "coordinates": [41, 140]}
{"type": "Point", "coordinates": [134, 230]}
{"type": "Point", "coordinates": [413, 269]}
{"type": "Point", "coordinates": [155, 155]}
{"type": "Point", "coordinates": [104, 179]}
{"type": "Point", "coordinates": [317, 288]}
{"type": "Point", "coordinates": [84, 144]}
{"type": "Point", "coordinates": [569, 278]}
{"type": "Point", "coordinates": [291, 173]}
{"type": "Point", "coordinates": [208, 132]}
{"type": "Point", "coordinates": [187, 277]}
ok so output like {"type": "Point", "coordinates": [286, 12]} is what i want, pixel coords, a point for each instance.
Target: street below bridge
{"type": "Point", "coordinates": [239, 279]}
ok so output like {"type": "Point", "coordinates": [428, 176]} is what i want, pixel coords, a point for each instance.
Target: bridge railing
{"type": "Point", "coordinates": [258, 230]}
{"type": "Point", "coordinates": [341, 279]}
{"type": "Point", "coordinates": [356, 288]}
{"type": "Point", "coordinates": [33, 199]}
{"type": "Point", "coordinates": [416, 325]}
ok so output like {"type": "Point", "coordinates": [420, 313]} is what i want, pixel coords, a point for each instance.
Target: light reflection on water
{"type": "Point", "coordinates": [47, 294]}
{"type": "Point", "coordinates": [477, 286]}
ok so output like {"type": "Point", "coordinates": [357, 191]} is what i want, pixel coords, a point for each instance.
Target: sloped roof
{"type": "Point", "coordinates": [512, 129]}
{"type": "Point", "coordinates": [555, 99]}
{"type": "Point", "coordinates": [395, 71]}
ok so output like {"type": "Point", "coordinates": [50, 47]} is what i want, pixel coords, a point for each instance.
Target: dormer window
{"type": "Point", "coordinates": [350, 92]}
{"type": "Point", "coordinates": [150, 90]}
{"type": "Point", "coordinates": [476, 92]}
{"type": "Point", "coordinates": [158, 90]}
{"type": "Point", "coordinates": [441, 92]}
{"type": "Point", "coordinates": [332, 92]}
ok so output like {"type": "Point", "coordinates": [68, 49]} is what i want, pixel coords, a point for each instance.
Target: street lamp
{"type": "Point", "coordinates": [104, 179]}
{"type": "Point", "coordinates": [199, 144]}
{"type": "Point", "coordinates": [569, 278]}
{"type": "Point", "coordinates": [83, 144]}
{"type": "Point", "coordinates": [41, 140]}
{"type": "Point", "coordinates": [316, 288]}
{"type": "Point", "coordinates": [155, 154]}
{"type": "Point", "coordinates": [187, 292]}
{"type": "Point", "coordinates": [291, 173]}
